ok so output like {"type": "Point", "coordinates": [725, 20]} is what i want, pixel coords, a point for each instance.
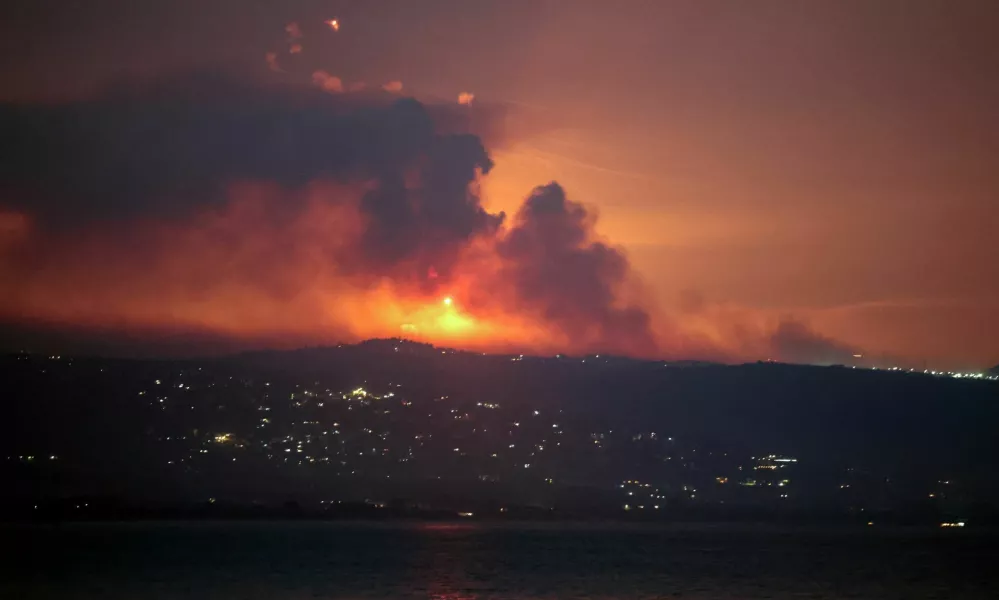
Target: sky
{"type": "Point", "coordinates": [801, 181]}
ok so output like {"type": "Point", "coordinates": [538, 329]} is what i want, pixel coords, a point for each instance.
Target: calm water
{"type": "Point", "coordinates": [291, 561]}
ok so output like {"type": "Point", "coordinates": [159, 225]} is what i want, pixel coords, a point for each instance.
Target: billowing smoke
{"type": "Point", "coordinates": [125, 187]}
{"type": "Point", "coordinates": [558, 270]}
{"type": "Point", "coordinates": [430, 218]}
{"type": "Point", "coordinates": [163, 149]}
{"type": "Point", "coordinates": [289, 215]}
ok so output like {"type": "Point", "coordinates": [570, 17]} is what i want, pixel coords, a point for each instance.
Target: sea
{"type": "Point", "coordinates": [298, 560]}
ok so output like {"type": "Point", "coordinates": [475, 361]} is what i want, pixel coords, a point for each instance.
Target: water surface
{"type": "Point", "coordinates": [299, 560]}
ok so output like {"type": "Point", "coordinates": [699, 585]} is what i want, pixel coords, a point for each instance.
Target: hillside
{"type": "Point", "coordinates": [389, 419]}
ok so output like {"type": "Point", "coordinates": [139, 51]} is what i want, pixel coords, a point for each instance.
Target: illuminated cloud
{"type": "Point", "coordinates": [327, 82]}
{"type": "Point", "coordinates": [393, 87]}
{"type": "Point", "coordinates": [293, 30]}
{"type": "Point", "coordinates": [295, 49]}
{"type": "Point", "coordinates": [465, 98]}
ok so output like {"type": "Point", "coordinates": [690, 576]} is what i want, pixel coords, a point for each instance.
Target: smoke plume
{"type": "Point", "coordinates": [206, 202]}
{"type": "Point", "coordinates": [287, 214]}
{"type": "Point", "coordinates": [559, 271]}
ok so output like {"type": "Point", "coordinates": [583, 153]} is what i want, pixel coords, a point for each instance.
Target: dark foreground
{"type": "Point", "coordinates": [297, 560]}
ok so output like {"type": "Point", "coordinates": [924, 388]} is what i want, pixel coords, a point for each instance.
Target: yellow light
{"type": "Point", "coordinates": [448, 301]}
{"type": "Point", "coordinates": [334, 24]}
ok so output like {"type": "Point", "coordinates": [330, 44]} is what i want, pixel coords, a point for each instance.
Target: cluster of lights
{"type": "Point", "coordinates": [640, 507]}
{"type": "Point", "coordinates": [954, 374]}
{"type": "Point", "coordinates": [957, 375]}
{"type": "Point", "coordinates": [769, 462]}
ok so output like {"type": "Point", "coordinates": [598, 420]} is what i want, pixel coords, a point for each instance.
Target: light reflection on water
{"type": "Point", "coordinates": [469, 561]}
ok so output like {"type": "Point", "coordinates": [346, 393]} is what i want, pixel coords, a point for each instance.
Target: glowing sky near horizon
{"type": "Point", "coordinates": [833, 161]}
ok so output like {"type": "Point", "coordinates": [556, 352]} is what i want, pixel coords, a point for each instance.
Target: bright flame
{"type": "Point", "coordinates": [448, 301]}
{"type": "Point", "coordinates": [334, 24]}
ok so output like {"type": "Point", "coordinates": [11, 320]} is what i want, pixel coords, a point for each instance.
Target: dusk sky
{"type": "Point", "coordinates": [741, 180]}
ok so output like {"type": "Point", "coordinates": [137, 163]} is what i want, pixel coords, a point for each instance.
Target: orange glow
{"type": "Point", "coordinates": [327, 82]}
{"type": "Point", "coordinates": [861, 204]}
{"type": "Point", "coordinates": [392, 87]}
{"type": "Point", "coordinates": [217, 274]}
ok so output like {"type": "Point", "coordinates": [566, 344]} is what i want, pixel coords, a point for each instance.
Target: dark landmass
{"type": "Point", "coordinates": [393, 429]}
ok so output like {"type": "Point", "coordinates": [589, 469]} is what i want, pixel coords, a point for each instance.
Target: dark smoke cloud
{"type": "Point", "coordinates": [557, 268]}
{"type": "Point", "coordinates": [167, 151]}
{"type": "Point", "coordinates": [167, 148]}
{"type": "Point", "coordinates": [87, 179]}
{"type": "Point", "coordinates": [163, 146]}
{"type": "Point", "coordinates": [795, 342]}
{"type": "Point", "coordinates": [433, 222]}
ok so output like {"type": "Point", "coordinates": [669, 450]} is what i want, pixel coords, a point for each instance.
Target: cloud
{"type": "Point", "coordinates": [393, 87]}
{"type": "Point", "coordinates": [173, 149]}
{"type": "Point", "coordinates": [327, 82]}
{"type": "Point", "coordinates": [465, 98]}
{"type": "Point", "coordinates": [295, 49]}
{"type": "Point", "coordinates": [427, 221]}
{"type": "Point", "coordinates": [168, 199]}
{"type": "Point", "coordinates": [293, 30]}
{"type": "Point", "coordinates": [265, 212]}
{"type": "Point", "coordinates": [558, 270]}
{"type": "Point", "coordinates": [162, 148]}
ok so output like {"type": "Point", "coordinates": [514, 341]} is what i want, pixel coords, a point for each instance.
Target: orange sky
{"type": "Point", "coordinates": [834, 162]}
